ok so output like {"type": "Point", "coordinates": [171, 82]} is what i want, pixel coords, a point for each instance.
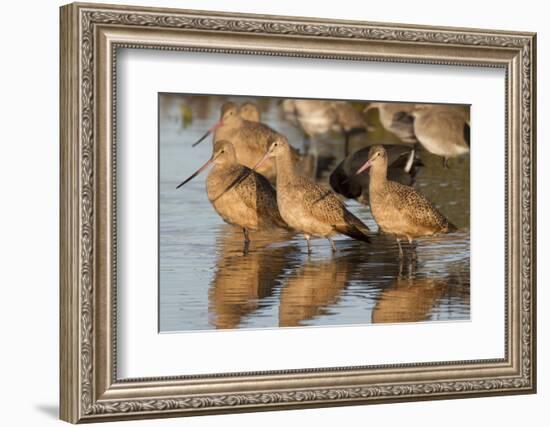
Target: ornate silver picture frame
{"type": "Point", "coordinates": [91, 35]}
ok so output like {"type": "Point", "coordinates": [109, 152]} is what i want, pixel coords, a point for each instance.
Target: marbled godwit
{"type": "Point", "coordinates": [250, 111]}
{"type": "Point", "coordinates": [396, 117]}
{"type": "Point", "coordinates": [349, 121]}
{"type": "Point", "coordinates": [308, 207]}
{"type": "Point", "coordinates": [250, 139]}
{"type": "Point", "coordinates": [317, 117]}
{"type": "Point", "coordinates": [443, 130]}
{"type": "Point", "coordinates": [398, 209]}
{"type": "Point", "coordinates": [402, 160]}
{"type": "Point", "coordinates": [314, 117]}
{"type": "Point", "coordinates": [239, 195]}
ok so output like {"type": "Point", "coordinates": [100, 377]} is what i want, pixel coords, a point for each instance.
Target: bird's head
{"type": "Point", "coordinates": [377, 156]}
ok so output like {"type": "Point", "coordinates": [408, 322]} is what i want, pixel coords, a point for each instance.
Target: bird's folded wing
{"type": "Point", "coordinates": [417, 208]}
{"type": "Point", "coordinates": [256, 192]}
{"type": "Point", "coordinates": [323, 204]}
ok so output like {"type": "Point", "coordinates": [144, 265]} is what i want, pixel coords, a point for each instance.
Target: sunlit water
{"type": "Point", "coordinates": [206, 282]}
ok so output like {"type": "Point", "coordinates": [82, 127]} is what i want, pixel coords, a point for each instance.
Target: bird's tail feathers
{"type": "Point", "coordinates": [352, 220]}
{"type": "Point", "coordinates": [353, 232]}
{"type": "Point", "coordinates": [353, 227]}
{"type": "Point", "coordinates": [451, 228]}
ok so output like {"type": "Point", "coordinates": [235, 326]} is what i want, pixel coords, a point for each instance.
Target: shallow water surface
{"type": "Point", "coordinates": [206, 282]}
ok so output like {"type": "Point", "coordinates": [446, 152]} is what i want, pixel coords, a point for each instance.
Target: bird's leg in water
{"type": "Point", "coordinates": [413, 249]}
{"type": "Point", "coordinates": [246, 241]}
{"type": "Point", "coordinates": [413, 257]}
{"type": "Point", "coordinates": [414, 263]}
{"type": "Point", "coordinates": [307, 236]}
{"type": "Point", "coordinates": [332, 244]}
{"type": "Point", "coordinates": [311, 146]}
{"type": "Point", "coordinates": [306, 143]}
{"type": "Point", "coordinates": [400, 248]}
{"type": "Point", "coordinates": [446, 162]}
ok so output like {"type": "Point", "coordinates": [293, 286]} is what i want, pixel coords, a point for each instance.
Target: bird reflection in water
{"type": "Point", "coordinates": [243, 282]}
{"type": "Point", "coordinates": [278, 277]}
{"type": "Point", "coordinates": [276, 283]}
{"type": "Point", "coordinates": [408, 300]}
{"type": "Point", "coordinates": [310, 291]}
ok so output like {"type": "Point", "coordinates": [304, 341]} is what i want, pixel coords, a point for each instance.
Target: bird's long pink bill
{"type": "Point", "coordinates": [363, 168]}
{"type": "Point", "coordinates": [208, 132]}
{"type": "Point", "coordinates": [203, 167]}
{"type": "Point", "coordinates": [261, 162]}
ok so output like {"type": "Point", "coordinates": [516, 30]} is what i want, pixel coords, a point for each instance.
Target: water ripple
{"type": "Point", "coordinates": [207, 283]}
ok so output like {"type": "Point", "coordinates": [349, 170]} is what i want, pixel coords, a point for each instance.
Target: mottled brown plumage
{"type": "Point", "coordinates": [239, 195]}
{"type": "Point", "coordinates": [403, 164]}
{"type": "Point", "coordinates": [398, 209]}
{"type": "Point", "coordinates": [250, 139]}
{"type": "Point", "coordinates": [308, 207]}
{"type": "Point", "coordinates": [243, 197]}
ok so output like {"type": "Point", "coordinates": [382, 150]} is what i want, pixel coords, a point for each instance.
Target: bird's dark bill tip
{"type": "Point", "coordinates": [202, 138]}
{"type": "Point", "coordinates": [203, 167]}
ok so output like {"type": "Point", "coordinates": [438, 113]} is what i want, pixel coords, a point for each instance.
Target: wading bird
{"type": "Point", "coordinates": [403, 163]}
{"type": "Point", "coordinates": [443, 130]}
{"type": "Point", "coordinates": [239, 195]}
{"type": "Point", "coordinates": [250, 139]}
{"type": "Point", "coordinates": [398, 209]}
{"type": "Point", "coordinates": [397, 118]}
{"type": "Point", "coordinates": [308, 207]}
{"type": "Point", "coordinates": [317, 117]}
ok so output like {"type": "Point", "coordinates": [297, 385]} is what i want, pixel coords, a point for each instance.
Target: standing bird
{"type": "Point", "coordinates": [349, 121]}
{"type": "Point", "coordinates": [443, 130]}
{"type": "Point", "coordinates": [308, 207]}
{"type": "Point", "coordinates": [313, 117]}
{"type": "Point", "coordinates": [403, 163]}
{"type": "Point", "coordinates": [239, 195]}
{"type": "Point", "coordinates": [397, 118]}
{"type": "Point", "coordinates": [250, 139]}
{"type": "Point", "coordinates": [250, 111]}
{"type": "Point", "coordinates": [318, 117]}
{"type": "Point", "coordinates": [398, 209]}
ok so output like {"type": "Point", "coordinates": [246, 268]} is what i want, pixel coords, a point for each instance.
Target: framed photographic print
{"type": "Point", "coordinates": [265, 212]}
